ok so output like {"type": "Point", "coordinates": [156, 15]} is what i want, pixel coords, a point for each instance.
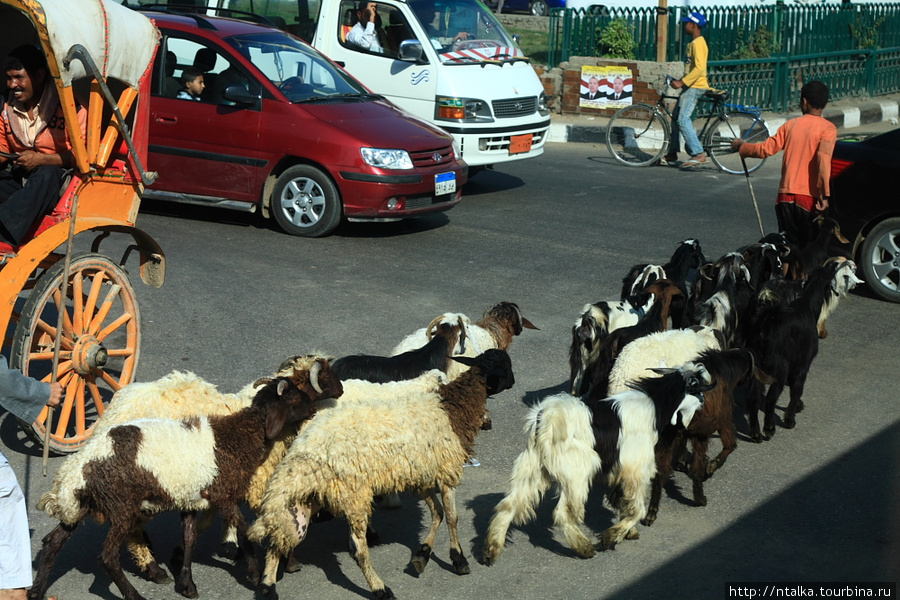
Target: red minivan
{"type": "Point", "coordinates": [280, 127]}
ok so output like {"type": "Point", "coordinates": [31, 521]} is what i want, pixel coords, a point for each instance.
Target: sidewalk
{"type": "Point", "coordinates": [843, 113]}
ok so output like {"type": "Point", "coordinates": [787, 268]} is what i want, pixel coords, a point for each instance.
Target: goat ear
{"type": "Point", "coordinates": [762, 377]}
{"type": "Point", "coordinates": [689, 405]}
{"type": "Point", "coordinates": [662, 370]}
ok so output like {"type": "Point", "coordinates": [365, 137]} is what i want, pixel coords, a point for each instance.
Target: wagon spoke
{"type": "Point", "coordinates": [112, 382]}
{"type": "Point", "coordinates": [96, 286]}
{"type": "Point", "coordinates": [104, 309]}
{"type": "Point", "coordinates": [122, 320]}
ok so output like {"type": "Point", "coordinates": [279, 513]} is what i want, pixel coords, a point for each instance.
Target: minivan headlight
{"type": "Point", "coordinates": [543, 110]}
{"type": "Point", "coordinates": [386, 159]}
{"type": "Point", "coordinates": [462, 109]}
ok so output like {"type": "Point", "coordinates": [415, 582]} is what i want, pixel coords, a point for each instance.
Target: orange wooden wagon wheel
{"type": "Point", "coordinates": [99, 348]}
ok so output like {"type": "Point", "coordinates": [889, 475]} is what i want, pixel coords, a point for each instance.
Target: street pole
{"type": "Point", "coordinates": [662, 30]}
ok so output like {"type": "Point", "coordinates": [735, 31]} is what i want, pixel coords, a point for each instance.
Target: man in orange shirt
{"type": "Point", "coordinates": [33, 136]}
{"type": "Point", "coordinates": [808, 143]}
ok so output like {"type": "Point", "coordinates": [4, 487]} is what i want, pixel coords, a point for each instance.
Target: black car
{"type": "Point", "coordinates": [866, 203]}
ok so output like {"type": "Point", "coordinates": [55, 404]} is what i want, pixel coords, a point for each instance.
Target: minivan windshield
{"type": "Point", "coordinates": [299, 71]}
{"type": "Point", "coordinates": [464, 31]}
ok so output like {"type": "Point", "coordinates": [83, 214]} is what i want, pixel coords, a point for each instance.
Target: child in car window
{"type": "Point", "coordinates": [192, 82]}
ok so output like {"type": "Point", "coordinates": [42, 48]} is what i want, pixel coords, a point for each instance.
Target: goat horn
{"type": "Point", "coordinates": [314, 376]}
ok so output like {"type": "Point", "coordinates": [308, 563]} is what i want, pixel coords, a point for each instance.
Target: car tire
{"type": "Point", "coordinates": [539, 8]}
{"type": "Point", "coordinates": [305, 202]}
{"type": "Point", "coordinates": [879, 259]}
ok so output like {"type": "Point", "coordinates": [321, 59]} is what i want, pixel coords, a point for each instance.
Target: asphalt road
{"type": "Point", "coordinates": [817, 503]}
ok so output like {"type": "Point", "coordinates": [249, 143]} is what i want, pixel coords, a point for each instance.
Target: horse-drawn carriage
{"type": "Point", "coordinates": [73, 317]}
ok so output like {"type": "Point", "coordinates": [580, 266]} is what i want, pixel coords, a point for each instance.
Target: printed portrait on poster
{"type": "Point", "coordinates": [605, 87]}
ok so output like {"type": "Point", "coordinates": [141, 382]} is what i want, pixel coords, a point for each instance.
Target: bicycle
{"type": "Point", "coordinates": [638, 135]}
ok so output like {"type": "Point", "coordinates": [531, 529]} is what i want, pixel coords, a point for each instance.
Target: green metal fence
{"type": "Point", "coordinates": [853, 48]}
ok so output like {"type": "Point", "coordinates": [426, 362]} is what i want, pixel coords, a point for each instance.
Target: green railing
{"type": "Point", "coordinates": [791, 30]}
{"type": "Point", "coordinates": [838, 44]}
{"type": "Point", "coordinates": [774, 83]}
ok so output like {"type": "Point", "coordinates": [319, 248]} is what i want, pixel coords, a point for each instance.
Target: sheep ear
{"type": "Point", "coordinates": [469, 361]}
{"type": "Point", "coordinates": [528, 324]}
{"type": "Point", "coordinates": [276, 417]}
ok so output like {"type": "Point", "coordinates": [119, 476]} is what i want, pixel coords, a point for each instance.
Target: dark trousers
{"type": "Point", "coordinates": [795, 222]}
{"type": "Point", "coordinates": [22, 204]}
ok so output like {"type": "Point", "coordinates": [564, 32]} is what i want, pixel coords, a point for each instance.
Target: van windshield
{"type": "Point", "coordinates": [464, 31]}
{"type": "Point", "coordinates": [299, 71]}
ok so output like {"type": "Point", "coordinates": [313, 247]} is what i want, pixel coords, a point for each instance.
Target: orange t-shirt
{"type": "Point", "coordinates": [808, 143]}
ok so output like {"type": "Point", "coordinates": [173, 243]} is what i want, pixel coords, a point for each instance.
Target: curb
{"type": "Point", "coordinates": [843, 117]}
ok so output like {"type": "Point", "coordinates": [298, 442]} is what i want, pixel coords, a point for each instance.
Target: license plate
{"type": "Point", "coordinates": [520, 143]}
{"type": "Point", "coordinates": [444, 183]}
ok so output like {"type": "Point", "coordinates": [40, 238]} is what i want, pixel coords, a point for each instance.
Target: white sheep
{"type": "Point", "coordinates": [671, 348]}
{"type": "Point", "coordinates": [344, 457]}
{"type": "Point", "coordinates": [154, 465]}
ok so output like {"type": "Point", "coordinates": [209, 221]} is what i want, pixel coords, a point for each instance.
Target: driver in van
{"type": "Point", "coordinates": [427, 13]}
{"type": "Point", "coordinates": [33, 137]}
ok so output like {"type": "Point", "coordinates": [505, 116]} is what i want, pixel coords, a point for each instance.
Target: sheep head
{"type": "Point", "coordinates": [495, 366]}
{"type": "Point", "coordinates": [284, 403]}
{"type": "Point", "coordinates": [313, 374]}
{"type": "Point", "coordinates": [510, 313]}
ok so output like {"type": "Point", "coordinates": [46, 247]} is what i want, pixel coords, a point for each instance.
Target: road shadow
{"type": "Point", "coordinates": [839, 524]}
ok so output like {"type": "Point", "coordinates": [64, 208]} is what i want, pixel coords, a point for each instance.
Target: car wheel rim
{"type": "Point", "coordinates": [303, 202]}
{"type": "Point", "coordinates": [886, 260]}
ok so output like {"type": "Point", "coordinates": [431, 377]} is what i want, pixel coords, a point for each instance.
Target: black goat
{"type": "Point", "coordinates": [785, 340]}
{"type": "Point", "coordinates": [408, 365]}
{"type": "Point", "coordinates": [803, 260]}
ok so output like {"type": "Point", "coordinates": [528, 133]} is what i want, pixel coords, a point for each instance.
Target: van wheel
{"type": "Point", "coordinates": [305, 202]}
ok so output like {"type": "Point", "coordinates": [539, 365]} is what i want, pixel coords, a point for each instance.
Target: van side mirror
{"type": "Point", "coordinates": [411, 51]}
{"type": "Point", "coordinates": [239, 95]}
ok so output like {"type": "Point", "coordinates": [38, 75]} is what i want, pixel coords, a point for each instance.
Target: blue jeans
{"type": "Point", "coordinates": [681, 118]}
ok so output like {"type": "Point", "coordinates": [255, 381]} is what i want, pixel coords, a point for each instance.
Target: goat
{"type": "Point", "coordinates": [155, 465]}
{"type": "Point", "coordinates": [729, 369]}
{"type": "Point", "coordinates": [785, 341]}
{"type": "Point", "coordinates": [443, 338]}
{"type": "Point", "coordinates": [570, 441]}
{"type": "Point", "coordinates": [801, 261]}
{"type": "Point", "coordinates": [345, 457]}
{"type": "Point", "coordinates": [655, 320]}
{"type": "Point", "coordinates": [596, 322]}
{"type": "Point", "coordinates": [729, 298]}
{"type": "Point", "coordinates": [639, 277]}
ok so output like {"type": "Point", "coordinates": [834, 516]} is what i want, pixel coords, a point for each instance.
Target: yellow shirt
{"type": "Point", "coordinates": [697, 55]}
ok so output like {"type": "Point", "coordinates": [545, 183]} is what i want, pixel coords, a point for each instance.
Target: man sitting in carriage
{"type": "Point", "coordinates": [33, 138]}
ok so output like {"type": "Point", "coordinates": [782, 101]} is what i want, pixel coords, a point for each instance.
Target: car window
{"type": "Point", "coordinates": [299, 71]}
{"type": "Point", "coordinates": [182, 56]}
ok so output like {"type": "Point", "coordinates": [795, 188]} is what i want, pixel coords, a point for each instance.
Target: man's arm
{"type": "Point", "coordinates": [823, 157]}
{"type": "Point", "coordinates": [24, 396]}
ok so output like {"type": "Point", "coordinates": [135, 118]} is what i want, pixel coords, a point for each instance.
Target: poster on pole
{"type": "Point", "coordinates": [605, 87]}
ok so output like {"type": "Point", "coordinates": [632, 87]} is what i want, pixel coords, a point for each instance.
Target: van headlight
{"type": "Point", "coordinates": [386, 159]}
{"type": "Point", "coordinates": [462, 109]}
{"type": "Point", "coordinates": [542, 105]}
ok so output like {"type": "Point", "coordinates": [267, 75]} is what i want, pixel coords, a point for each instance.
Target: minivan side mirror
{"type": "Point", "coordinates": [239, 95]}
{"type": "Point", "coordinates": [411, 51]}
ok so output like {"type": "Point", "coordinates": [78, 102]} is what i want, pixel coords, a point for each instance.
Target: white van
{"type": "Point", "coordinates": [447, 61]}
{"type": "Point", "coordinates": [452, 63]}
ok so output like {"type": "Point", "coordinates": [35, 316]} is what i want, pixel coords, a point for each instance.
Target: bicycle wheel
{"type": "Point", "coordinates": [637, 136]}
{"type": "Point", "coordinates": [733, 125]}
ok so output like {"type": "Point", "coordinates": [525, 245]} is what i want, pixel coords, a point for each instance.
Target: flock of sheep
{"type": "Point", "coordinates": [651, 371]}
